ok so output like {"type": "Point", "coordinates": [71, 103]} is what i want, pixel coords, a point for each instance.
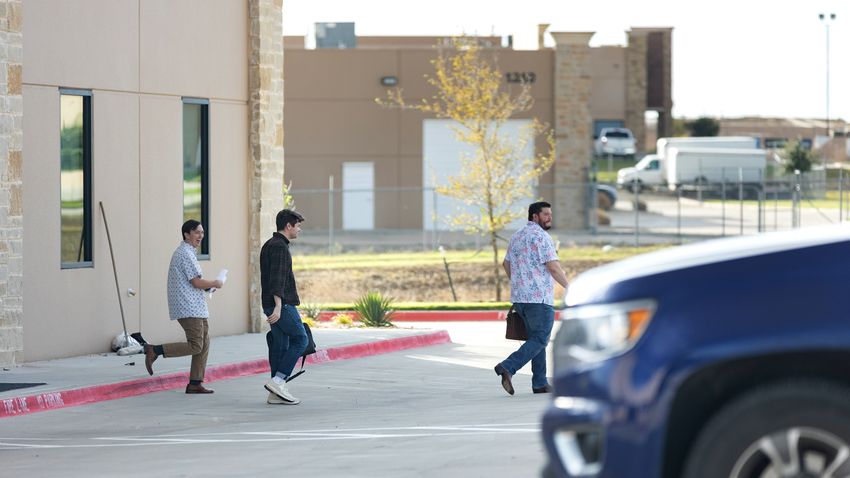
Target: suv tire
{"type": "Point", "coordinates": [792, 429]}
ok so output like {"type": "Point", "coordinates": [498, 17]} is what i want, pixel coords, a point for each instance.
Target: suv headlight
{"type": "Point", "coordinates": [593, 333]}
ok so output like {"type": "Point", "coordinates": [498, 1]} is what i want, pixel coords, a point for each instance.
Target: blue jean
{"type": "Point", "coordinates": [288, 340]}
{"type": "Point", "coordinates": [538, 319]}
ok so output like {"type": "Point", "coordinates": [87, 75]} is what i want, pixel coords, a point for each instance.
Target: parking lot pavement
{"type": "Point", "coordinates": [430, 411]}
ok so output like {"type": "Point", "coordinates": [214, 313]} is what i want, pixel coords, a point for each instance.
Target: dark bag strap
{"type": "Point", "coordinates": [303, 358]}
{"type": "Point", "coordinates": [311, 349]}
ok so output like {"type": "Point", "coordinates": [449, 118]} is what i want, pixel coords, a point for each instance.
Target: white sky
{"type": "Point", "coordinates": [730, 58]}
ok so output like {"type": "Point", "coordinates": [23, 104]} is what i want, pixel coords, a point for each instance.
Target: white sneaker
{"type": "Point", "coordinates": [275, 400]}
{"type": "Point", "coordinates": [279, 390]}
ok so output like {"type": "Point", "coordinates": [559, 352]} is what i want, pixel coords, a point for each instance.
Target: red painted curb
{"type": "Point", "coordinates": [432, 315]}
{"type": "Point", "coordinates": [17, 406]}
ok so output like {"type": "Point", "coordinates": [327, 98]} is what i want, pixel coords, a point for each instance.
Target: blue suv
{"type": "Point", "coordinates": [726, 358]}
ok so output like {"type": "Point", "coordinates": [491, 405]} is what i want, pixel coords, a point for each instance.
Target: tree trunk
{"type": "Point", "coordinates": [496, 273]}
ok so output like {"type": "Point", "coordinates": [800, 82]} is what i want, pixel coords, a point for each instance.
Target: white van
{"type": "Point", "coordinates": [706, 165]}
{"type": "Point", "coordinates": [651, 171]}
{"type": "Point", "coordinates": [647, 172]}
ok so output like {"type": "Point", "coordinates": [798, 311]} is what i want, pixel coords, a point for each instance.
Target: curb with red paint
{"type": "Point", "coordinates": [17, 406]}
{"type": "Point", "coordinates": [431, 315]}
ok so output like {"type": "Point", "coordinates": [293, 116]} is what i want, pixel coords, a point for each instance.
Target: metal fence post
{"type": "Point", "coordinates": [795, 204]}
{"type": "Point", "coordinates": [330, 215]}
{"type": "Point", "coordinates": [679, 214]}
{"type": "Point", "coordinates": [636, 191]}
{"type": "Point", "coordinates": [741, 199]}
{"type": "Point", "coordinates": [594, 208]}
{"type": "Point", "coordinates": [841, 195]}
{"type": "Point", "coordinates": [723, 206]}
{"type": "Point", "coordinates": [761, 199]}
{"type": "Point", "coordinates": [434, 218]}
{"type": "Point", "coordinates": [776, 207]}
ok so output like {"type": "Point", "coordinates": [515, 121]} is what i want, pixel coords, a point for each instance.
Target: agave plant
{"type": "Point", "coordinates": [310, 310]}
{"type": "Point", "coordinates": [374, 309]}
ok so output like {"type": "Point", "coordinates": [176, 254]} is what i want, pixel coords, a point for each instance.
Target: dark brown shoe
{"type": "Point", "coordinates": [150, 358]}
{"type": "Point", "coordinates": [544, 389]}
{"type": "Point", "coordinates": [506, 378]}
{"type": "Point", "coordinates": [197, 389]}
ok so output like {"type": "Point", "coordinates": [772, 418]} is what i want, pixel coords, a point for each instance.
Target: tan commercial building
{"type": "Point", "coordinates": [334, 128]}
{"type": "Point", "coordinates": [828, 139]}
{"type": "Point", "coordinates": [161, 110]}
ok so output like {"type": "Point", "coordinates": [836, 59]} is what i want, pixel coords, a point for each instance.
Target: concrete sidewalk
{"type": "Point", "coordinates": [92, 378]}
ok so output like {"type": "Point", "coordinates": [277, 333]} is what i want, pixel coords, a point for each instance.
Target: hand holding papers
{"type": "Point", "coordinates": [222, 276]}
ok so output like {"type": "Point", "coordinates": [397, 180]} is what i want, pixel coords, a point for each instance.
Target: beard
{"type": "Point", "coordinates": [544, 225]}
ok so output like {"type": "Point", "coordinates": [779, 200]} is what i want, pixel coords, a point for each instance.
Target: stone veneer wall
{"type": "Point", "coordinates": [265, 105]}
{"type": "Point", "coordinates": [636, 85]}
{"type": "Point", "coordinates": [573, 129]}
{"type": "Point", "coordinates": [11, 184]}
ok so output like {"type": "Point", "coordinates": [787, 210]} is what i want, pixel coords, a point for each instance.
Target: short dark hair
{"type": "Point", "coordinates": [287, 216]}
{"type": "Point", "coordinates": [189, 226]}
{"type": "Point", "coordinates": [536, 207]}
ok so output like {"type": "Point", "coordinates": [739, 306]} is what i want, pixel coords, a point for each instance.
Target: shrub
{"type": "Point", "coordinates": [374, 310]}
{"type": "Point", "coordinates": [343, 319]}
{"type": "Point", "coordinates": [309, 310]}
{"type": "Point", "coordinates": [310, 322]}
{"type": "Point", "coordinates": [799, 158]}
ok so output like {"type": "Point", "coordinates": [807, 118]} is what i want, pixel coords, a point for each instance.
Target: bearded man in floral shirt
{"type": "Point", "coordinates": [531, 263]}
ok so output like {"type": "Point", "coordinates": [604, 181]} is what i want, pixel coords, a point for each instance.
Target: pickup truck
{"type": "Point", "coordinates": [725, 358]}
{"type": "Point", "coordinates": [615, 142]}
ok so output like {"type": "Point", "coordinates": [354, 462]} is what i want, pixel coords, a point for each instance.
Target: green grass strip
{"type": "Point", "coordinates": [433, 258]}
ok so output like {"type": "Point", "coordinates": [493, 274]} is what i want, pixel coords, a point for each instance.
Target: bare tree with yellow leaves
{"type": "Point", "coordinates": [500, 173]}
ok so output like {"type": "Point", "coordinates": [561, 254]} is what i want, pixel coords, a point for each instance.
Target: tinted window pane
{"type": "Point", "coordinates": [72, 195]}
{"type": "Point", "coordinates": [195, 166]}
{"type": "Point", "coordinates": [192, 157]}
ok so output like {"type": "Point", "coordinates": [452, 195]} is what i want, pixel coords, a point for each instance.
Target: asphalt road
{"type": "Point", "coordinates": [436, 411]}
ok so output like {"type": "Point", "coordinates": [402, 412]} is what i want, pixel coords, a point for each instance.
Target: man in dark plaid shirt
{"type": "Point", "coordinates": [280, 298]}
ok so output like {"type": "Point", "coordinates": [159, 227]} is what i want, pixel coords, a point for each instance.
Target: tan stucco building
{"type": "Point", "coordinates": [335, 128]}
{"type": "Point", "coordinates": [161, 110]}
{"type": "Point", "coordinates": [828, 139]}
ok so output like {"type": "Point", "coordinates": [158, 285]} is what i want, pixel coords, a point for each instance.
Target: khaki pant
{"type": "Point", "coordinates": [197, 345]}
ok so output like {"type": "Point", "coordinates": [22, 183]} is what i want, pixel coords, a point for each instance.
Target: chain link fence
{"type": "Point", "coordinates": [416, 218]}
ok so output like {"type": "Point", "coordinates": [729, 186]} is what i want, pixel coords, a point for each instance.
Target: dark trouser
{"type": "Point", "coordinates": [538, 319]}
{"type": "Point", "coordinates": [197, 345]}
{"type": "Point", "coordinates": [288, 340]}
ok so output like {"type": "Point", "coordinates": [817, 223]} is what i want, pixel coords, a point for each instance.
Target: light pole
{"type": "Point", "coordinates": [826, 19]}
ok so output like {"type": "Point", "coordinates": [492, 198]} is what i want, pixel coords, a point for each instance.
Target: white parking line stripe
{"type": "Point", "coordinates": [278, 436]}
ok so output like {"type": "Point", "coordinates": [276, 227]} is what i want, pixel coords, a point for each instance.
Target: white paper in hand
{"type": "Point", "coordinates": [222, 276]}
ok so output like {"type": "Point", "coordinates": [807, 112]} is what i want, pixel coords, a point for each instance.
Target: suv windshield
{"type": "Point", "coordinates": [616, 134]}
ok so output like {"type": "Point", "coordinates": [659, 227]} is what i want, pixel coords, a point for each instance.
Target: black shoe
{"type": "Point", "coordinates": [506, 378]}
{"type": "Point", "coordinates": [196, 389]}
{"type": "Point", "coordinates": [150, 358]}
{"type": "Point", "coordinates": [544, 389]}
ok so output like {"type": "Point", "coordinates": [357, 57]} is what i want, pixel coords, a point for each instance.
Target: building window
{"type": "Point", "coordinates": [196, 160]}
{"type": "Point", "coordinates": [75, 195]}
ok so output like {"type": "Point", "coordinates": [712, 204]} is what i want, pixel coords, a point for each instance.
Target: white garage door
{"type": "Point", "coordinates": [358, 196]}
{"type": "Point", "coordinates": [441, 153]}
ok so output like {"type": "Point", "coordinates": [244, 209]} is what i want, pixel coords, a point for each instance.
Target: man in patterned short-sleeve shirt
{"type": "Point", "coordinates": [187, 305]}
{"type": "Point", "coordinates": [532, 265]}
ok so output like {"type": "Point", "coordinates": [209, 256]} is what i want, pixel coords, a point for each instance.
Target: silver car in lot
{"type": "Point", "coordinates": [615, 142]}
